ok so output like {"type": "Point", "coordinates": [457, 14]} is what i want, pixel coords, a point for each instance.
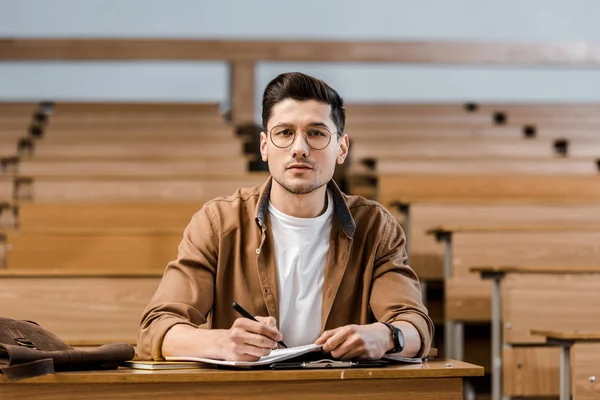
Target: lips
{"type": "Point", "coordinates": [299, 166]}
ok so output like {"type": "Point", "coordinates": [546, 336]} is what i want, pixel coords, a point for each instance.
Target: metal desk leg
{"type": "Point", "coordinates": [449, 325]}
{"type": "Point", "coordinates": [496, 340]}
{"type": "Point", "coordinates": [565, 372]}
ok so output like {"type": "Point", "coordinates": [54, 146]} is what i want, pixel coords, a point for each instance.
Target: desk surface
{"type": "Point", "coordinates": [429, 369]}
{"type": "Point", "coordinates": [535, 269]}
{"type": "Point", "coordinates": [568, 335]}
{"type": "Point", "coordinates": [433, 380]}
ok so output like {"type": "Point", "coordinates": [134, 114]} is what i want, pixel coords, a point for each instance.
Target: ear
{"type": "Point", "coordinates": [343, 149]}
{"type": "Point", "coordinates": [263, 146]}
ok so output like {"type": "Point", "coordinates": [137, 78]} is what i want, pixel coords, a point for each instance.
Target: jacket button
{"type": "Point", "coordinates": [257, 251]}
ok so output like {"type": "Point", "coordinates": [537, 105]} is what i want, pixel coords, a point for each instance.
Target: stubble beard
{"type": "Point", "coordinates": [305, 188]}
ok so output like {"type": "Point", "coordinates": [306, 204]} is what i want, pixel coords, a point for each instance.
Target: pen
{"type": "Point", "coordinates": [246, 314]}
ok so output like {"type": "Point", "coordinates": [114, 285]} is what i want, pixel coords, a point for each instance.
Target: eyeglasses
{"type": "Point", "coordinates": [317, 137]}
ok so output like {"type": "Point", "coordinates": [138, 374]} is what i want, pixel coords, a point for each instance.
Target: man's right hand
{"type": "Point", "coordinates": [249, 340]}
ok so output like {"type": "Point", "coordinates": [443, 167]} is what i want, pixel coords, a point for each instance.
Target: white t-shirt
{"type": "Point", "coordinates": [301, 249]}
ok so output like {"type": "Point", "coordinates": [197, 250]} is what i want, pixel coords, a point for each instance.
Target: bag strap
{"type": "Point", "coordinates": [28, 370]}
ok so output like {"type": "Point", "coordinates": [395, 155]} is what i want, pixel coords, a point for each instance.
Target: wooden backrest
{"type": "Point", "coordinates": [409, 188]}
{"type": "Point", "coordinates": [169, 130]}
{"type": "Point", "coordinates": [120, 110]}
{"type": "Point", "coordinates": [225, 166]}
{"type": "Point", "coordinates": [585, 360]}
{"type": "Point", "coordinates": [459, 148]}
{"type": "Point", "coordinates": [446, 166]}
{"type": "Point", "coordinates": [171, 216]}
{"type": "Point", "coordinates": [79, 249]}
{"type": "Point", "coordinates": [81, 310]}
{"type": "Point", "coordinates": [198, 188]}
{"type": "Point", "coordinates": [227, 147]}
{"type": "Point", "coordinates": [530, 371]}
{"type": "Point", "coordinates": [548, 302]}
{"type": "Point", "coordinates": [558, 246]}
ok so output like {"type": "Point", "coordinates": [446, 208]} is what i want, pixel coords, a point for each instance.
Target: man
{"type": "Point", "coordinates": [313, 264]}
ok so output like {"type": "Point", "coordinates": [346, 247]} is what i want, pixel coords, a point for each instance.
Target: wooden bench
{"type": "Point", "coordinates": [544, 298]}
{"type": "Point", "coordinates": [82, 307]}
{"type": "Point", "coordinates": [579, 358]}
{"type": "Point", "coordinates": [134, 188]}
{"type": "Point", "coordinates": [420, 217]}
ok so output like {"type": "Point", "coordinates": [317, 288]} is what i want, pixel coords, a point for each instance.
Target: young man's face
{"type": "Point", "coordinates": [299, 168]}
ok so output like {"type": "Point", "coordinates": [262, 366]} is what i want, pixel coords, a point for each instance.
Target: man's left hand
{"type": "Point", "coordinates": [364, 342]}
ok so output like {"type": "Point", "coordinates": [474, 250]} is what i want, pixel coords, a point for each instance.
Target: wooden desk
{"type": "Point", "coordinates": [566, 340]}
{"type": "Point", "coordinates": [497, 274]}
{"type": "Point", "coordinates": [439, 380]}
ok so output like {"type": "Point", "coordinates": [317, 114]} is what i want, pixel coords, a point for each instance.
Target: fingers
{"type": "Point", "coordinates": [270, 321]}
{"type": "Point", "coordinates": [325, 336]}
{"type": "Point", "coordinates": [345, 343]}
{"type": "Point", "coordinates": [259, 328]}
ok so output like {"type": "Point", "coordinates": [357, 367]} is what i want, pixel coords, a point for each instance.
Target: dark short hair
{"type": "Point", "coordinates": [299, 86]}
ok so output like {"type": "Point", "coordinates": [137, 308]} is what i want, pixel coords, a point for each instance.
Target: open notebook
{"type": "Point", "coordinates": [275, 356]}
{"type": "Point", "coordinates": [282, 355]}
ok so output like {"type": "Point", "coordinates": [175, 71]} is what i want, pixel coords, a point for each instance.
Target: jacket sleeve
{"type": "Point", "coordinates": [185, 292]}
{"type": "Point", "coordinates": [396, 291]}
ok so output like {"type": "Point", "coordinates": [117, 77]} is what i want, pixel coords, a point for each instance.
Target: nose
{"type": "Point", "coordinates": [299, 147]}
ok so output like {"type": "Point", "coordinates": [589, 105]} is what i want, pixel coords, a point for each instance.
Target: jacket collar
{"type": "Point", "coordinates": [341, 210]}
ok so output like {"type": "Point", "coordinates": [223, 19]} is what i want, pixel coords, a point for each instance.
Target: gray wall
{"type": "Point", "coordinates": [507, 20]}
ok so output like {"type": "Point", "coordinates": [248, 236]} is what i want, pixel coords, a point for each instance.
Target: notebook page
{"type": "Point", "coordinates": [274, 356]}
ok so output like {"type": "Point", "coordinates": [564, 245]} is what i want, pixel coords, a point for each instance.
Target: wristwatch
{"type": "Point", "coordinates": [397, 338]}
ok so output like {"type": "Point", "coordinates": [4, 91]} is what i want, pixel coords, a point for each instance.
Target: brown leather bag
{"type": "Point", "coordinates": [27, 349]}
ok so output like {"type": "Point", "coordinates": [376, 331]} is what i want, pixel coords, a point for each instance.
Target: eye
{"type": "Point", "coordinates": [284, 132]}
{"type": "Point", "coordinates": [316, 133]}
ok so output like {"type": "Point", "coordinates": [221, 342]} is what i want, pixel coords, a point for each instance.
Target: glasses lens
{"type": "Point", "coordinates": [282, 136]}
{"type": "Point", "coordinates": [318, 137]}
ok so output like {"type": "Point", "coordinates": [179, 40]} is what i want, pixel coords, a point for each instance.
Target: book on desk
{"type": "Point", "coordinates": [309, 356]}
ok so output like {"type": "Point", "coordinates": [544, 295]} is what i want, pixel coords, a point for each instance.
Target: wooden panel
{"type": "Point", "coordinates": [395, 131]}
{"type": "Point", "coordinates": [91, 310]}
{"type": "Point", "coordinates": [434, 389]}
{"type": "Point", "coordinates": [417, 187]}
{"type": "Point", "coordinates": [467, 148]}
{"type": "Point", "coordinates": [530, 371]}
{"type": "Point", "coordinates": [143, 168]}
{"type": "Point", "coordinates": [549, 302]}
{"type": "Point", "coordinates": [79, 249]}
{"type": "Point", "coordinates": [585, 371]}
{"type": "Point", "coordinates": [170, 128]}
{"type": "Point", "coordinates": [199, 189]}
{"type": "Point", "coordinates": [170, 216]}
{"type": "Point", "coordinates": [131, 109]}
{"type": "Point", "coordinates": [525, 248]}
{"type": "Point", "coordinates": [551, 165]}
{"type": "Point", "coordinates": [468, 299]}
{"type": "Point", "coordinates": [369, 51]}
{"type": "Point", "coordinates": [134, 149]}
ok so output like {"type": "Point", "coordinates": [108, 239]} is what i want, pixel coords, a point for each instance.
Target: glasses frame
{"type": "Point", "coordinates": [305, 138]}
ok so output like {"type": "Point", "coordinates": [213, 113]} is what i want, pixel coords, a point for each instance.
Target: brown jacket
{"type": "Point", "coordinates": [227, 255]}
